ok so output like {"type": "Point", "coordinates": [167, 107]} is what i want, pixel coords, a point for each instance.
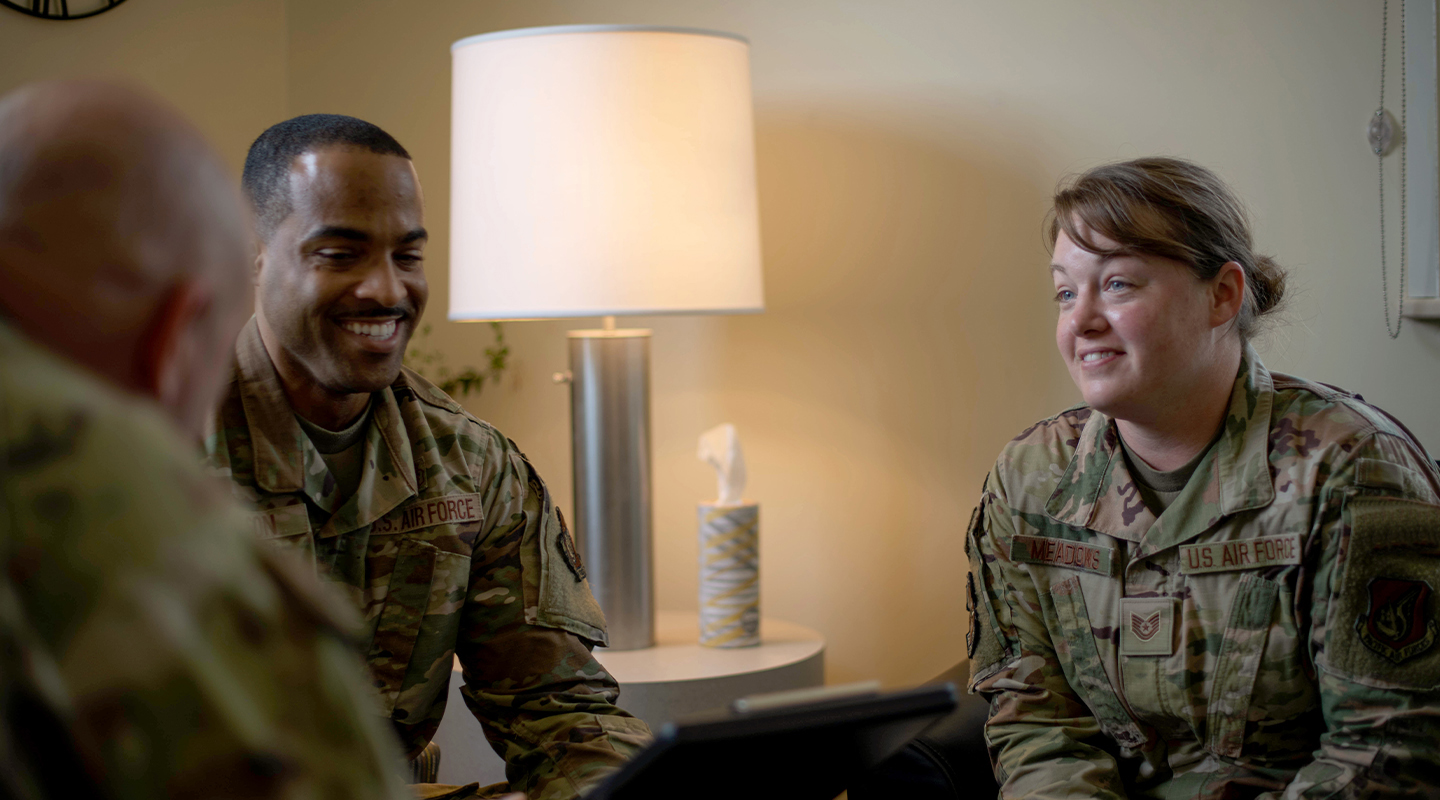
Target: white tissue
{"type": "Point", "coordinates": [720, 448]}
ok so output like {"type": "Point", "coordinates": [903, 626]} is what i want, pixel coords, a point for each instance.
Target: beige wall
{"type": "Point", "coordinates": [906, 153]}
{"type": "Point", "coordinates": [222, 62]}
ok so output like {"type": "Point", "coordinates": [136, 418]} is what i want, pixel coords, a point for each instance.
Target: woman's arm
{"type": "Point", "coordinates": [1374, 638]}
{"type": "Point", "coordinates": [1043, 740]}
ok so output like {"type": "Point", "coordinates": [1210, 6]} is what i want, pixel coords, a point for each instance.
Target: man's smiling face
{"type": "Point", "coordinates": [341, 280]}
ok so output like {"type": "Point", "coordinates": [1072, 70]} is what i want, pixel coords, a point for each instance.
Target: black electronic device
{"type": "Point", "coordinates": [806, 745]}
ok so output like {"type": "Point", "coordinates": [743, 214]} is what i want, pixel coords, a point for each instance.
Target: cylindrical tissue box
{"type": "Point", "coordinates": [729, 575]}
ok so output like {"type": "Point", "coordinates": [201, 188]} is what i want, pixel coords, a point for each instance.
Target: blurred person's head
{"type": "Point", "coordinates": [124, 244]}
{"type": "Point", "coordinates": [340, 284]}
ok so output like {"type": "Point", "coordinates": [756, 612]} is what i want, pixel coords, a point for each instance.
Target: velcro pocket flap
{"type": "Point", "coordinates": [1377, 474]}
{"type": "Point", "coordinates": [1239, 662]}
{"type": "Point", "coordinates": [1084, 668]}
{"type": "Point", "coordinates": [406, 601]}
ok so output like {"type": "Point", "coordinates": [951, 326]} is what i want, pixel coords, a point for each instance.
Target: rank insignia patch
{"type": "Point", "coordinates": [1148, 626]}
{"type": "Point", "coordinates": [1397, 625]}
{"type": "Point", "coordinates": [1145, 629]}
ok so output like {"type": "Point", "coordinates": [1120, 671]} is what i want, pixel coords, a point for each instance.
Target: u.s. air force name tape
{"type": "Point", "coordinates": [451, 509]}
{"type": "Point", "coordinates": [1061, 553]}
{"type": "Point", "coordinates": [293, 519]}
{"type": "Point", "coordinates": [1195, 559]}
{"type": "Point", "coordinates": [1268, 551]}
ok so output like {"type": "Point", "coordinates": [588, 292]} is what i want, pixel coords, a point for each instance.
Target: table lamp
{"type": "Point", "coordinates": [597, 171]}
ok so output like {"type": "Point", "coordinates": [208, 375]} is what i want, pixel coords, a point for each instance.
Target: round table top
{"type": "Point", "coordinates": [679, 656]}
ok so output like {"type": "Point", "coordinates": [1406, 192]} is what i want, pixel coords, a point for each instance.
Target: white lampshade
{"type": "Point", "coordinates": [600, 170]}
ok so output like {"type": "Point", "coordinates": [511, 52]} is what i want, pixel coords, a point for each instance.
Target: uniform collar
{"type": "Point", "coordinates": [1098, 492]}
{"type": "Point", "coordinates": [286, 461]}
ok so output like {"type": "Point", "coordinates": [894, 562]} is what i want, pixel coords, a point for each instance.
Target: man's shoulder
{"type": "Point", "coordinates": [412, 384]}
{"type": "Point", "coordinates": [78, 444]}
{"type": "Point", "coordinates": [444, 415]}
{"type": "Point", "coordinates": [58, 412]}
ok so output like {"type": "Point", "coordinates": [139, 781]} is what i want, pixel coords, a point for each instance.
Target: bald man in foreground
{"type": "Point", "coordinates": [149, 647]}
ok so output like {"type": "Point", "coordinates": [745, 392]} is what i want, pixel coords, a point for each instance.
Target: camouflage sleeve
{"type": "Point", "coordinates": [1043, 740]}
{"type": "Point", "coordinates": [164, 653]}
{"type": "Point", "coordinates": [546, 705]}
{"type": "Point", "coordinates": [1374, 631]}
{"type": "Point", "coordinates": [38, 756]}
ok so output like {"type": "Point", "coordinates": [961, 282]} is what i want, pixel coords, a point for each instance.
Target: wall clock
{"type": "Point", "coordinates": [61, 9]}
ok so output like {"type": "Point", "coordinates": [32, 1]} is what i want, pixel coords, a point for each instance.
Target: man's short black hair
{"type": "Point", "coordinates": [267, 165]}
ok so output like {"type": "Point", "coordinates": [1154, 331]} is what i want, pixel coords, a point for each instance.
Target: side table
{"type": "Point", "coordinates": [675, 678]}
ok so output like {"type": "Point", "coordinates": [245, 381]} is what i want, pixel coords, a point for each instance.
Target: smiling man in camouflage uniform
{"type": "Point", "coordinates": [434, 523]}
{"type": "Point", "coordinates": [1208, 581]}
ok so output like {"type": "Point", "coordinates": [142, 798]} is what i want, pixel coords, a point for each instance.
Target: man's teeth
{"type": "Point", "coordinates": [376, 330]}
{"type": "Point", "coordinates": [1097, 356]}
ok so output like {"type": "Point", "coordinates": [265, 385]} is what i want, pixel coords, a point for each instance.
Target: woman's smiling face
{"type": "Point", "coordinates": [1135, 331]}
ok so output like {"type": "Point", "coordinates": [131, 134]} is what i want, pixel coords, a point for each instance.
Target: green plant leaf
{"type": "Point", "coordinates": [430, 364]}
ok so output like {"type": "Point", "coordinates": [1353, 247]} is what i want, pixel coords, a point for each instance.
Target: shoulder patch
{"type": "Point", "coordinates": [1384, 626]}
{"type": "Point", "coordinates": [972, 606]}
{"type": "Point", "coordinates": [984, 645]}
{"type": "Point", "coordinates": [1397, 625]}
{"type": "Point", "coordinates": [566, 542]}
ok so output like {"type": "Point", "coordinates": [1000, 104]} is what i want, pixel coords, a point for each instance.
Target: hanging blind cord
{"type": "Point", "coordinates": [1380, 162]}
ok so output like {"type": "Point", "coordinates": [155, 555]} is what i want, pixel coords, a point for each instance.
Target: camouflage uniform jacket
{"type": "Point", "coordinates": [450, 546]}
{"type": "Point", "coordinates": [1271, 634]}
{"type": "Point", "coordinates": [149, 646]}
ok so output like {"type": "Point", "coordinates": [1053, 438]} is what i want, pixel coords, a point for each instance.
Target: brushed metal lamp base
{"type": "Point", "coordinates": [610, 430]}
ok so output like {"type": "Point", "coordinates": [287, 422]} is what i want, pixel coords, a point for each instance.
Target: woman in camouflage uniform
{"type": "Point", "coordinates": [1208, 580]}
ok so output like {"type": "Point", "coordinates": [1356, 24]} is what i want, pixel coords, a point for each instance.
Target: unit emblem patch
{"type": "Point", "coordinates": [1397, 625]}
